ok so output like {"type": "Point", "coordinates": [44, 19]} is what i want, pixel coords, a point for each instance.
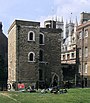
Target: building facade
{"type": "Point", "coordinates": [3, 59]}
{"type": "Point", "coordinates": [69, 61]}
{"type": "Point", "coordinates": [33, 54]}
{"type": "Point", "coordinates": [68, 48]}
{"type": "Point", "coordinates": [68, 53]}
{"type": "Point", "coordinates": [83, 41]}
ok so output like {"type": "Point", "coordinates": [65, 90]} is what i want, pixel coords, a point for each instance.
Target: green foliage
{"type": "Point", "coordinates": [73, 96]}
{"type": "Point", "coordinates": [3, 73]}
{"type": "Point", "coordinates": [1, 61]}
{"type": "Point", "coordinates": [1, 68]}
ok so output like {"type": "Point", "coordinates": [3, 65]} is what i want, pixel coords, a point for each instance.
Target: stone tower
{"type": "Point", "coordinates": [33, 54]}
{"type": "Point", "coordinates": [60, 25]}
{"type": "Point", "coordinates": [69, 31]}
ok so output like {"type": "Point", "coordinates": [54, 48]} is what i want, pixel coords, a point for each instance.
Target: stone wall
{"type": "Point", "coordinates": [27, 71]}
{"type": "Point", "coordinates": [12, 55]}
{"type": "Point", "coordinates": [22, 70]}
{"type": "Point", "coordinates": [52, 53]}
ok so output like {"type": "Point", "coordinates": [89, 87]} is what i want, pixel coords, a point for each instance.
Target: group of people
{"type": "Point", "coordinates": [54, 88]}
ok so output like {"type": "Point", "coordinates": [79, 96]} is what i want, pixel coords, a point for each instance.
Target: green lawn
{"type": "Point", "coordinates": [73, 96]}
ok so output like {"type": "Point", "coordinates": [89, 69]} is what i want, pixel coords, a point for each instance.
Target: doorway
{"type": "Point", "coordinates": [55, 80]}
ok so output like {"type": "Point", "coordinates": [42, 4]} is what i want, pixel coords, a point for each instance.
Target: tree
{"type": "Point", "coordinates": [2, 72]}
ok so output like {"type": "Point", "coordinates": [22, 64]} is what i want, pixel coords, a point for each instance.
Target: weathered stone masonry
{"type": "Point", "coordinates": [20, 69]}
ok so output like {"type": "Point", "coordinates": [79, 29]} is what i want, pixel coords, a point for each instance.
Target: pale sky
{"type": "Point", "coordinates": [40, 10]}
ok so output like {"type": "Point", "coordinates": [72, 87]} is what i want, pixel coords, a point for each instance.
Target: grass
{"type": "Point", "coordinates": [73, 96]}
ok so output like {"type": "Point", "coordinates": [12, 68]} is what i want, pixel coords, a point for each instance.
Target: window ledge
{"type": "Point", "coordinates": [31, 61]}
{"type": "Point", "coordinates": [41, 44]}
{"type": "Point", "coordinates": [31, 40]}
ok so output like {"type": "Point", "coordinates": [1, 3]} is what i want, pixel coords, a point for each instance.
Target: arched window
{"type": "Point", "coordinates": [41, 55]}
{"type": "Point", "coordinates": [41, 38]}
{"type": "Point", "coordinates": [31, 36]}
{"type": "Point", "coordinates": [31, 57]}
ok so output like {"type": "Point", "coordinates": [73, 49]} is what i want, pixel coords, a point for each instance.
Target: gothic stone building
{"type": "Point", "coordinates": [3, 59]}
{"type": "Point", "coordinates": [68, 53]}
{"type": "Point", "coordinates": [33, 53]}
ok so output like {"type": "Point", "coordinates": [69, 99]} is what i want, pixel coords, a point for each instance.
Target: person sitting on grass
{"type": "Point", "coordinates": [63, 91]}
{"type": "Point", "coordinates": [32, 89]}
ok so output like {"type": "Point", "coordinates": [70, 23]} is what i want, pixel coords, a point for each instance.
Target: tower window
{"type": "Point", "coordinates": [31, 36]}
{"type": "Point", "coordinates": [41, 38]}
{"type": "Point", "coordinates": [41, 55]}
{"type": "Point", "coordinates": [31, 57]}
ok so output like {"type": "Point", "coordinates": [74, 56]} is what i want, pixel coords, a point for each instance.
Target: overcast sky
{"type": "Point", "coordinates": [40, 10]}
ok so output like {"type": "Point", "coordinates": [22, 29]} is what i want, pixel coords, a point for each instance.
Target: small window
{"type": "Point", "coordinates": [31, 57]}
{"type": "Point", "coordinates": [68, 56]}
{"type": "Point", "coordinates": [64, 57]}
{"type": "Point", "coordinates": [41, 55]}
{"type": "Point", "coordinates": [86, 33]}
{"type": "Point", "coordinates": [86, 68]}
{"type": "Point", "coordinates": [31, 36]}
{"type": "Point", "coordinates": [72, 55]}
{"type": "Point", "coordinates": [86, 52]}
{"type": "Point", "coordinates": [41, 38]}
{"type": "Point", "coordinates": [74, 49]}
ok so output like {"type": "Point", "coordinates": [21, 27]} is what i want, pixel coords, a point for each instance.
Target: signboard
{"type": "Point", "coordinates": [21, 86]}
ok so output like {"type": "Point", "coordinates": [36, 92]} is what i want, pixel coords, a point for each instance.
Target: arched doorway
{"type": "Point", "coordinates": [55, 80]}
